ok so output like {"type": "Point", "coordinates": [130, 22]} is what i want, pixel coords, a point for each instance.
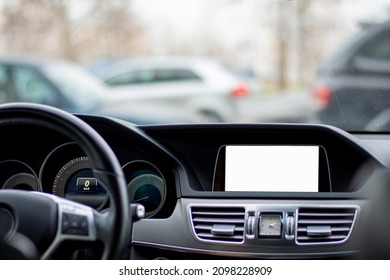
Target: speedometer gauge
{"type": "Point", "coordinates": [149, 190]}
{"type": "Point", "coordinates": [146, 186]}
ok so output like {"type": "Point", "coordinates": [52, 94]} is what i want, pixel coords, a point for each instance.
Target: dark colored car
{"type": "Point", "coordinates": [353, 86]}
{"type": "Point", "coordinates": [56, 83]}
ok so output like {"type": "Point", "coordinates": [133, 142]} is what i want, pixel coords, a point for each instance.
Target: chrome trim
{"type": "Point", "coordinates": [290, 220]}
{"type": "Point", "coordinates": [250, 207]}
{"type": "Point", "coordinates": [357, 211]}
{"type": "Point", "coordinates": [216, 206]}
{"type": "Point", "coordinates": [250, 217]}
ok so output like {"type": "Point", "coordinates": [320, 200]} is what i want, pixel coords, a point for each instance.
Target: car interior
{"type": "Point", "coordinates": [107, 189]}
{"type": "Point", "coordinates": [195, 130]}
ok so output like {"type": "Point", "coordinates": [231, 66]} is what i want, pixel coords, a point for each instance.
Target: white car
{"type": "Point", "coordinates": [191, 85]}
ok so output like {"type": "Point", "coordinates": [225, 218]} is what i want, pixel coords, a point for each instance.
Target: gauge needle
{"type": "Point", "coordinates": [140, 199]}
{"type": "Point", "coordinates": [272, 225]}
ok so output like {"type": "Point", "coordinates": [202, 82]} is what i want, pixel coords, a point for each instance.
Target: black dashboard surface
{"type": "Point", "coordinates": [187, 219]}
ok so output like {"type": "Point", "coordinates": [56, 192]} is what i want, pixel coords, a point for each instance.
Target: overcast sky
{"type": "Point", "coordinates": [189, 10]}
{"type": "Point", "coordinates": [231, 21]}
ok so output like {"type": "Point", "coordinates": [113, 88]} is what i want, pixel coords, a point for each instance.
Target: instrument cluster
{"type": "Point", "coordinates": [67, 172]}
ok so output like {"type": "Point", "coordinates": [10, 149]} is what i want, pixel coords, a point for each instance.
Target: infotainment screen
{"type": "Point", "coordinates": [254, 168]}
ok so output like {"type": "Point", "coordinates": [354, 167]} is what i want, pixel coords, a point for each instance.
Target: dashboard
{"type": "Point", "coordinates": [217, 190]}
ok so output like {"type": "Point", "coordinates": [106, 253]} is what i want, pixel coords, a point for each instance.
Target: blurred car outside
{"type": "Point", "coordinates": [200, 86]}
{"type": "Point", "coordinates": [68, 86]}
{"type": "Point", "coordinates": [352, 87]}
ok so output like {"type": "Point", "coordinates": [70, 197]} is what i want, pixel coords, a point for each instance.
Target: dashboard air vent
{"type": "Point", "coordinates": [223, 224]}
{"type": "Point", "coordinates": [324, 225]}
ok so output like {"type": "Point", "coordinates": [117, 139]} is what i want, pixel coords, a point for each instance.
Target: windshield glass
{"type": "Point", "coordinates": [74, 82]}
{"type": "Point", "coordinates": [300, 61]}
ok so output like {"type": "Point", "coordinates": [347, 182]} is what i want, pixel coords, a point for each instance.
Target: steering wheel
{"type": "Point", "coordinates": [42, 221]}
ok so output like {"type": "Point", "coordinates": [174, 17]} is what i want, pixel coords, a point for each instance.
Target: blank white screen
{"type": "Point", "coordinates": [272, 168]}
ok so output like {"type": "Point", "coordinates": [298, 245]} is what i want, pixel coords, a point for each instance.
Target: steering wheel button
{"type": "Point", "coordinates": [65, 223]}
{"type": "Point", "coordinates": [84, 223]}
{"type": "Point", "coordinates": [84, 226]}
{"type": "Point", "coordinates": [74, 224]}
{"type": "Point", "coordinates": [74, 218]}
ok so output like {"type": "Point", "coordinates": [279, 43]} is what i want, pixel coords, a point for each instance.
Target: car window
{"type": "Point", "coordinates": [378, 48]}
{"type": "Point", "coordinates": [170, 75]}
{"type": "Point", "coordinates": [152, 76]}
{"type": "Point", "coordinates": [132, 77]}
{"type": "Point", "coordinates": [30, 87]}
{"type": "Point", "coordinates": [305, 61]}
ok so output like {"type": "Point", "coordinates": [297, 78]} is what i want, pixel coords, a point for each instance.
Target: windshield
{"type": "Point", "coordinates": [75, 83]}
{"type": "Point", "coordinates": [198, 61]}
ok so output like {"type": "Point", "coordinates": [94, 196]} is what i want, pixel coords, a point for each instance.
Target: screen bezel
{"type": "Point", "coordinates": [324, 182]}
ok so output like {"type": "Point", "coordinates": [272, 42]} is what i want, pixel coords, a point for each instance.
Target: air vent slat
{"type": "Point", "coordinates": [208, 213]}
{"type": "Point", "coordinates": [334, 229]}
{"type": "Point", "coordinates": [203, 227]}
{"type": "Point", "coordinates": [332, 237]}
{"type": "Point", "coordinates": [208, 220]}
{"type": "Point", "coordinates": [326, 214]}
{"type": "Point", "coordinates": [337, 220]}
{"type": "Point", "coordinates": [208, 228]}
{"type": "Point", "coordinates": [326, 222]}
{"type": "Point", "coordinates": [212, 236]}
{"type": "Point", "coordinates": [218, 220]}
{"type": "Point", "coordinates": [338, 229]}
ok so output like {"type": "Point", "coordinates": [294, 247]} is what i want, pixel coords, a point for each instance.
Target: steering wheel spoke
{"type": "Point", "coordinates": [76, 222]}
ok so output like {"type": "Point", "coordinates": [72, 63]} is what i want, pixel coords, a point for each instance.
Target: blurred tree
{"type": "Point", "coordinates": [71, 29]}
{"type": "Point", "coordinates": [282, 37]}
{"type": "Point", "coordinates": [60, 9]}
{"type": "Point", "coordinates": [28, 27]}
{"type": "Point", "coordinates": [302, 34]}
{"type": "Point", "coordinates": [312, 32]}
{"type": "Point", "coordinates": [109, 29]}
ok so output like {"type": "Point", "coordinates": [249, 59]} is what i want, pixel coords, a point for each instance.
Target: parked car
{"type": "Point", "coordinates": [353, 86]}
{"type": "Point", "coordinates": [201, 86]}
{"type": "Point", "coordinates": [69, 87]}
